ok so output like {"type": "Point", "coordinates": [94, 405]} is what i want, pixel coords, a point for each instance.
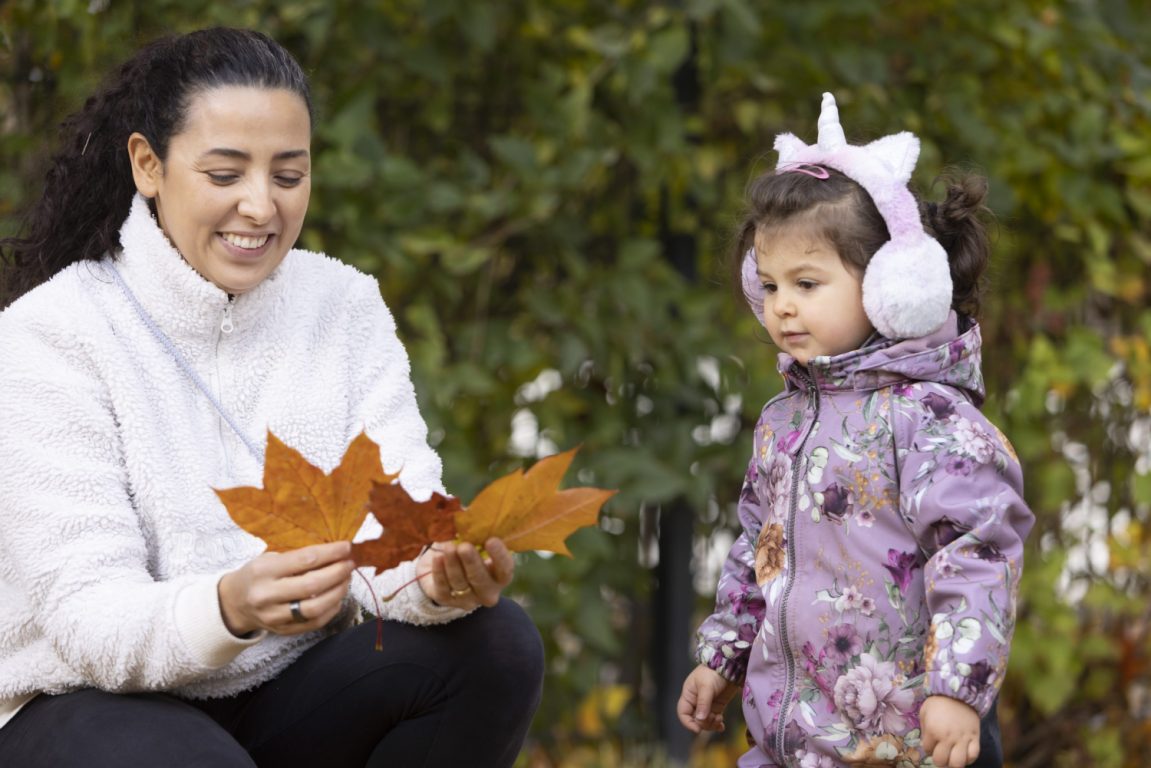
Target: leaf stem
{"type": "Point", "coordinates": [405, 585]}
{"type": "Point", "coordinates": [376, 602]}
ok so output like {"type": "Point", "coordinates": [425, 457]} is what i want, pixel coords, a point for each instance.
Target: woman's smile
{"type": "Point", "coordinates": [245, 242]}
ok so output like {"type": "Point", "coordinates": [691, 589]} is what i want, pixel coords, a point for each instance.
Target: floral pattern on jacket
{"type": "Point", "coordinates": [879, 560]}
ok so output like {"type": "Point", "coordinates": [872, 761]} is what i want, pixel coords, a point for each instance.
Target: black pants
{"type": "Point", "coordinates": [458, 694]}
{"type": "Point", "coordinates": [990, 740]}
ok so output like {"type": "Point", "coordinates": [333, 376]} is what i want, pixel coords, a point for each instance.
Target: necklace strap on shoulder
{"type": "Point", "coordinates": [176, 355]}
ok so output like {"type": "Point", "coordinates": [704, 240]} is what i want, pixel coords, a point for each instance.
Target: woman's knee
{"type": "Point", "coordinates": [505, 647]}
{"type": "Point", "coordinates": [100, 730]}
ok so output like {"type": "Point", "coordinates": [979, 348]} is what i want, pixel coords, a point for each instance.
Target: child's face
{"type": "Point", "coordinates": [813, 304]}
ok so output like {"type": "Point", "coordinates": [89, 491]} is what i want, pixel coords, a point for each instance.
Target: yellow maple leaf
{"type": "Point", "coordinates": [527, 512]}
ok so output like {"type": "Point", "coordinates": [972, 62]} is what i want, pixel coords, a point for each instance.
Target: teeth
{"type": "Point", "coordinates": [245, 242]}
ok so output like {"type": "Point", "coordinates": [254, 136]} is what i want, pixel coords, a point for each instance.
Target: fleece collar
{"type": "Point", "coordinates": [187, 307]}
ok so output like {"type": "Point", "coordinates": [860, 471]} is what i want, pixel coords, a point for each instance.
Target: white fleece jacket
{"type": "Point", "coordinates": [111, 538]}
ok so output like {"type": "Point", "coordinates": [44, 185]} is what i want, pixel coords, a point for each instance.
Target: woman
{"type": "Point", "coordinates": [158, 323]}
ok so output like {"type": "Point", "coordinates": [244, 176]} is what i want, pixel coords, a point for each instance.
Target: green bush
{"type": "Point", "coordinates": [544, 189]}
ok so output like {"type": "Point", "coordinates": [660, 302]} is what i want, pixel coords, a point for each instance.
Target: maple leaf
{"type": "Point", "coordinates": [409, 526]}
{"type": "Point", "coordinates": [527, 512]}
{"type": "Point", "coordinates": [299, 505]}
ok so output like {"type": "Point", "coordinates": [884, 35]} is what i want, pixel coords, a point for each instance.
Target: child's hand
{"type": "Point", "coordinates": [950, 731]}
{"type": "Point", "coordinates": [705, 695]}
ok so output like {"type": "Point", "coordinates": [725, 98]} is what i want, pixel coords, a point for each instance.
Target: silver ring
{"type": "Point", "coordinates": [297, 615]}
{"type": "Point", "coordinates": [460, 592]}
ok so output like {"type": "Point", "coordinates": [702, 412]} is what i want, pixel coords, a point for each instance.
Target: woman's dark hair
{"type": "Point", "coordinates": [840, 212]}
{"type": "Point", "coordinates": [88, 188]}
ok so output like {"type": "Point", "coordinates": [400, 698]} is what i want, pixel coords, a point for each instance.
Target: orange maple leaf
{"type": "Point", "coordinates": [527, 512]}
{"type": "Point", "coordinates": [299, 505]}
{"type": "Point", "coordinates": [409, 526]}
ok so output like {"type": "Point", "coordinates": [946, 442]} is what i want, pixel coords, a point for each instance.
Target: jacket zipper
{"type": "Point", "coordinates": [788, 654]}
{"type": "Point", "coordinates": [226, 328]}
{"type": "Point", "coordinates": [226, 325]}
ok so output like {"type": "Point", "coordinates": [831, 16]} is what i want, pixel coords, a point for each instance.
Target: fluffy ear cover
{"type": "Point", "coordinates": [752, 288]}
{"type": "Point", "coordinates": [907, 284]}
{"type": "Point", "coordinates": [907, 288]}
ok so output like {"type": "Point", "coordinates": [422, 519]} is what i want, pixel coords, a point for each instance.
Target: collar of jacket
{"type": "Point", "coordinates": [952, 356]}
{"type": "Point", "coordinates": [187, 307]}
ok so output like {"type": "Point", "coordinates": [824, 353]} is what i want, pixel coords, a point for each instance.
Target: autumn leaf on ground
{"type": "Point", "coordinates": [527, 512]}
{"type": "Point", "coordinates": [409, 526]}
{"type": "Point", "coordinates": [299, 505]}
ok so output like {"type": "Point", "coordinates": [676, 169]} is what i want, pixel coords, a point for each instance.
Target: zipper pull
{"type": "Point", "coordinates": [226, 325]}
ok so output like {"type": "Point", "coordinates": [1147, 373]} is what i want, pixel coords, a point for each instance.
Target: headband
{"type": "Point", "coordinates": [907, 283]}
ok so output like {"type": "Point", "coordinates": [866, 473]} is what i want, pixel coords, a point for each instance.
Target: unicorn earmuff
{"type": "Point", "coordinates": [907, 284]}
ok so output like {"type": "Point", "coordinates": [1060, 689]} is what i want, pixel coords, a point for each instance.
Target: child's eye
{"type": "Point", "coordinates": [767, 287]}
{"type": "Point", "coordinates": [806, 285]}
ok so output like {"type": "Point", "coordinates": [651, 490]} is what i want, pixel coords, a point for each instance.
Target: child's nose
{"type": "Point", "coordinates": [783, 306]}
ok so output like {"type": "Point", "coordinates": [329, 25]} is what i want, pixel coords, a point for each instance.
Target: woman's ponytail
{"type": "Point", "coordinates": [88, 188]}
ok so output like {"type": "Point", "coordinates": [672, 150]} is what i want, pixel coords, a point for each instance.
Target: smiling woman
{"type": "Point", "coordinates": [238, 179]}
{"type": "Point", "coordinates": [157, 318]}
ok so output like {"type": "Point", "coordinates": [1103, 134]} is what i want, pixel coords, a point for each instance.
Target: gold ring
{"type": "Point", "coordinates": [460, 592]}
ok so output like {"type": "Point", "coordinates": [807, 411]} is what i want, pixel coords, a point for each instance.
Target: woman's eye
{"type": "Point", "coordinates": [222, 178]}
{"type": "Point", "coordinates": [289, 181]}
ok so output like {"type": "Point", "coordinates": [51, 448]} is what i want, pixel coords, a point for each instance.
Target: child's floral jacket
{"type": "Point", "coordinates": [883, 525]}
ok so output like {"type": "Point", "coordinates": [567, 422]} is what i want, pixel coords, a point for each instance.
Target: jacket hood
{"type": "Point", "coordinates": [952, 355]}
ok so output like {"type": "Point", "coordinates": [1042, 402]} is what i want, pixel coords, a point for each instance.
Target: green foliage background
{"type": "Point", "coordinates": [525, 177]}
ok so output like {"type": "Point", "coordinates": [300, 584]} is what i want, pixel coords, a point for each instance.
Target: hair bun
{"type": "Point", "coordinates": [958, 224]}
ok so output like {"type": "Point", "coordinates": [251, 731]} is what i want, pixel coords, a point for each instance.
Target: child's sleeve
{"type": "Point", "coordinates": [725, 636]}
{"type": "Point", "coordinates": [961, 490]}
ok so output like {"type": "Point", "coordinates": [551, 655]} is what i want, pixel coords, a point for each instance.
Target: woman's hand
{"type": "Point", "coordinates": [456, 575]}
{"type": "Point", "coordinates": [705, 696]}
{"type": "Point", "coordinates": [950, 731]}
{"type": "Point", "coordinates": [262, 593]}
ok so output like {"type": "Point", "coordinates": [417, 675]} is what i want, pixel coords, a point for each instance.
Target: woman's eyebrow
{"type": "Point", "coordinates": [239, 154]}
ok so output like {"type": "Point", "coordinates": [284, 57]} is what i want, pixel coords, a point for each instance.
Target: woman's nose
{"type": "Point", "coordinates": [257, 204]}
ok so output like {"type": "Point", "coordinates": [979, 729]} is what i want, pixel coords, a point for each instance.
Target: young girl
{"type": "Point", "coordinates": [867, 606]}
